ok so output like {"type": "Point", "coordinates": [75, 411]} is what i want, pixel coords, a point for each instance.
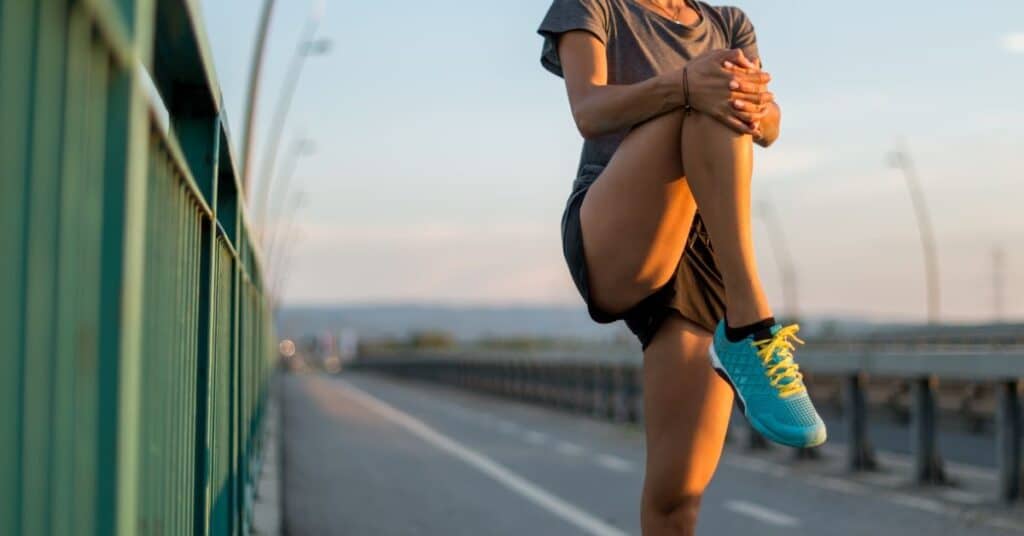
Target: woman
{"type": "Point", "coordinates": [669, 96]}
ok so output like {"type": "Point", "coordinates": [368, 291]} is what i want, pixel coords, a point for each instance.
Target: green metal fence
{"type": "Point", "coordinates": [138, 337]}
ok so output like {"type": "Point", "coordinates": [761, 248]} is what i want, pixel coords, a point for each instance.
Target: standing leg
{"type": "Point", "coordinates": [687, 408]}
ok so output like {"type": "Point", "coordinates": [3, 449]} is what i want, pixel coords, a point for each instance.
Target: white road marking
{"type": "Point", "coordinates": [758, 466]}
{"type": "Point", "coordinates": [837, 484]}
{"type": "Point", "coordinates": [499, 473]}
{"type": "Point", "coordinates": [905, 461]}
{"type": "Point", "coordinates": [920, 503]}
{"type": "Point", "coordinates": [569, 449]}
{"type": "Point", "coordinates": [535, 438]}
{"type": "Point", "coordinates": [1003, 523]}
{"type": "Point", "coordinates": [962, 496]}
{"type": "Point", "coordinates": [883, 480]}
{"type": "Point", "coordinates": [762, 514]}
{"type": "Point", "coordinates": [614, 463]}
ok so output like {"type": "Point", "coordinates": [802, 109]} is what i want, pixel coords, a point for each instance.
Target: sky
{"type": "Point", "coordinates": [444, 153]}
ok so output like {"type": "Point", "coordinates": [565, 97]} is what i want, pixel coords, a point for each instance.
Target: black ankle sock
{"type": "Point", "coordinates": [761, 330]}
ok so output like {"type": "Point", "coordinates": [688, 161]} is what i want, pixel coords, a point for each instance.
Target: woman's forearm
{"type": "Point", "coordinates": [600, 108]}
{"type": "Point", "coordinates": [605, 109]}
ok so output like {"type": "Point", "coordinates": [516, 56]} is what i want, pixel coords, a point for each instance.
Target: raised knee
{"type": "Point", "coordinates": [708, 144]}
{"type": "Point", "coordinates": [706, 128]}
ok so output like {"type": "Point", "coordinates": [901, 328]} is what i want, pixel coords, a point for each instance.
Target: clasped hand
{"type": "Point", "coordinates": [726, 85]}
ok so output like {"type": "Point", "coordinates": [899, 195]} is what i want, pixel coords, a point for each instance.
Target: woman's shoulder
{"type": "Point", "coordinates": [732, 20]}
{"type": "Point", "coordinates": [731, 15]}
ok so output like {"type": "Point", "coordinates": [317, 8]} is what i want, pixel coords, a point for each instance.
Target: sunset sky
{"type": "Point", "coordinates": [444, 152]}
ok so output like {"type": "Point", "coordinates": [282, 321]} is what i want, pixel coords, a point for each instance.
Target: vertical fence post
{"type": "Point", "coordinates": [619, 412]}
{"type": "Point", "coordinates": [927, 462]}
{"type": "Point", "coordinates": [1008, 436]}
{"type": "Point", "coordinates": [860, 455]}
{"type": "Point", "coordinates": [579, 379]}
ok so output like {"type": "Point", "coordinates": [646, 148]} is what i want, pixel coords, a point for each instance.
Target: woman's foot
{"type": "Point", "coordinates": [769, 386]}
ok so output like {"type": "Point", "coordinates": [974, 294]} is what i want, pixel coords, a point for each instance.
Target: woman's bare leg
{"type": "Point", "coordinates": [718, 170]}
{"type": "Point", "coordinates": [636, 217]}
{"type": "Point", "coordinates": [687, 408]}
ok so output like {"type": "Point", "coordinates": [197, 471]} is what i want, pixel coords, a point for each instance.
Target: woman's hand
{"type": "Point", "coordinates": [729, 87]}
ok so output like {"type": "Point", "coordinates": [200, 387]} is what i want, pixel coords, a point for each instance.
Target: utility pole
{"type": "Point", "coordinates": [901, 160]}
{"type": "Point", "coordinates": [783, 259]}
{"type": "Point", "coordinates": [999, 283]}
{"type": "Point", "coordinates": [255, 69]}
{"type": "Point", "coordinates": [308, 46]}
{"type": "Point", "coordinates": [279, 263]}
{"type": "Point", "coordinates": [279, 190]}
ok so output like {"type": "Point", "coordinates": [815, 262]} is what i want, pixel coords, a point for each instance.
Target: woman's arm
{"type": "Point", "coordinates": [599, 108]}
{"type": "Point", "coordinates": [768, 128]}
{"type": "Point", "coordinates": [766, 120]}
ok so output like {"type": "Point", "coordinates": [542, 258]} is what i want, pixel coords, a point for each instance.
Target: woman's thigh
{"type": "Point", "coordinates": [686, 413]}
{"type": "Point", "coordinates": [636, 216]}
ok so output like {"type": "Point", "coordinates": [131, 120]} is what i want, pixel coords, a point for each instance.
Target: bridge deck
{"type": "Point", "coordinates": [370, 455]}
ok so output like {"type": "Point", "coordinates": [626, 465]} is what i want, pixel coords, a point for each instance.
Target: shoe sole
{"type": "Point", "coordinates": [719, 369]}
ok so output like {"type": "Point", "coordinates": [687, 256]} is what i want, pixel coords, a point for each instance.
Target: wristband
{"type": "Point", "coordinates": [686, 92]}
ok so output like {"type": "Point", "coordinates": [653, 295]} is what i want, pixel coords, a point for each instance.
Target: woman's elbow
{"type": "Point", "coordinates": [586, 125]}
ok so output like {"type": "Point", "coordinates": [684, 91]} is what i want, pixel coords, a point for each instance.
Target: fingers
{"type": "Point", "coordinates": [751, 101]}
{"type": "Point", "coordinates": [750, 117]}
{"type": "Point", "coordinates": [736, 60]}
{"type": "Point", "coordinates": [737, 126]}
{"type": "Point", "coordinates": [743, 86]}
{"type": "Point", "coordinates": [745, 63]}
{"type": "Point", "coordinates": [759, 77]}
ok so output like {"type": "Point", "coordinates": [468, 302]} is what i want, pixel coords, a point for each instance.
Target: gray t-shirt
{"type": "Point", "coordinates": [640, 44]}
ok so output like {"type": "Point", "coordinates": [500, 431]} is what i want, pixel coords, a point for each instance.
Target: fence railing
{"type": "Point", "coordinates": [609, 386]}
{"type": "Point", "coordinates": [131, 298]}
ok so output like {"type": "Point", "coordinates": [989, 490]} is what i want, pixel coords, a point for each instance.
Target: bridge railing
{"type": "Point", "coordinates": [131, 300]}
{"type": "Point", "coordinates": [608, 384]}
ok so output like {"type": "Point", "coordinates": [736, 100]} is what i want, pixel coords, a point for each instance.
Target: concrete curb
{"type": "Point", "coordinates": [267, 503]}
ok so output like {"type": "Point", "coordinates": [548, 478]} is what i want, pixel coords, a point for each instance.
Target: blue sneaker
{"type": "Point", "coordinates": [769, 386]}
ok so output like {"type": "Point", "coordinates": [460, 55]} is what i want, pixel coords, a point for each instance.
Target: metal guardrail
{"type": "Point", "coordinates": [609, 386]}
{"type": "Point", "coordinates": [131, 300]}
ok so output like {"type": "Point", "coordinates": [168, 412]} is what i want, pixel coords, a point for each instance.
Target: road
{"type": "Point", "coordinates": [369, 455]}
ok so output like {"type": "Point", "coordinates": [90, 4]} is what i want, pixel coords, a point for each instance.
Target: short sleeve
{"type": "Point", "coordinates": [741, 32]}
{"type": "Point", "coordinates": [566, 16]}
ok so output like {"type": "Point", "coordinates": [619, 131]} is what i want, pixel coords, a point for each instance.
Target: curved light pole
{"type": "Point", "coordinates": [278, 190]}
{"type": "Point", "coordinates": [308, 46]}
{"type": "Point", "coordinates": [283, 192]}
{"type": "Point", "coordinates": [259, 50]}
{"type": "Point", "coordinates": [999, 283]}
{"type": "Point", "coordinates": [278, 262]}
{"type": "Point", "coordinates": [901, 160]}
{"type": "Point", "coordinates": [783, 259]}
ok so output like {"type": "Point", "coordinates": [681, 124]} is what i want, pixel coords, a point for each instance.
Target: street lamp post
{"type": "Point", "coordinates": [308, 46]}
{"type": "Point", "coordinates": [783, 259]}
{"type": "Point", "coordinates": [255, 70]}
{"type": "Point", "coordinates": [902, 161]}
{"type": "Point", "coordinates": [999, 283]}
{"type": "Point", "coordinates": [282, 194]}
{"type": "Point", "coordinates": [278, 263]}
{"type": "Point", "coordinates": [278, 190]}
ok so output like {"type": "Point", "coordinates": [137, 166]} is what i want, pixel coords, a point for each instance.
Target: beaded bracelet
{"type": "Point", "coordinates": [686, 92]}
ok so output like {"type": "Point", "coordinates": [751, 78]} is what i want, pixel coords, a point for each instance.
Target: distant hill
{"type": "Point", "coordinates": [464, 323]}
{"type": "Point", "coordinates": [467, 323]}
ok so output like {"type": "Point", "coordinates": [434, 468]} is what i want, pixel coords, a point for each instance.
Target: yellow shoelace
{"type": "Point", "coordinates": [777, 356]}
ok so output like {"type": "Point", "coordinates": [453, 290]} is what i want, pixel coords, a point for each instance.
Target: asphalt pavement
{"type": "Point", "coordinates": [371, 455]}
